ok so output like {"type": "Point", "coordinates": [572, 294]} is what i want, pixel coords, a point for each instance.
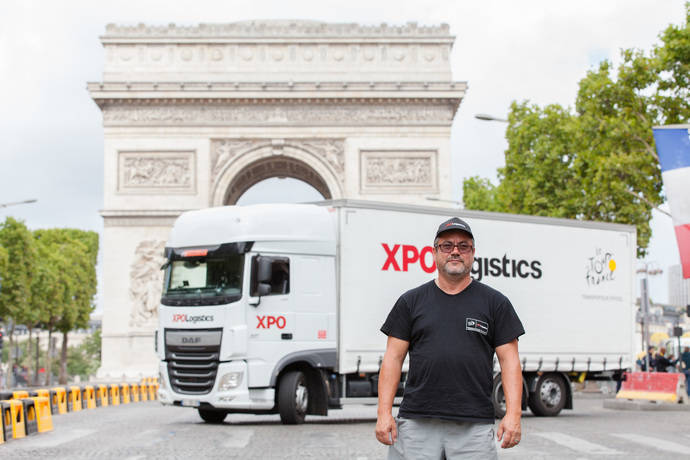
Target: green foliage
{"type": "Point", "coordinates": [15, 295]}
{"type": "Point", "coordinates": [85, 359]}
{"type": "Point", "coordinates": [598, 161]}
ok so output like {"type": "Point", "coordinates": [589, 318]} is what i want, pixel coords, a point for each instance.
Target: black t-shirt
{"type": "Point", "coordinates": [452, 341]}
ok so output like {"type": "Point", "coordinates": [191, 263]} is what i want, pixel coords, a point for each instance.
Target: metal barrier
{"type": "Point", "coordinates": [44, 418]}
{"type": "Point", "coordinates": [58, 400]}
{"type": "Point", "coordinates": [30, 417]}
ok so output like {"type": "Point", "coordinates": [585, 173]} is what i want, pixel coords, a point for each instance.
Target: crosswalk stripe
{"type": "Point", "coordinates": [577, 444]}
{"type": "Point", "coordinates": [655, 443]}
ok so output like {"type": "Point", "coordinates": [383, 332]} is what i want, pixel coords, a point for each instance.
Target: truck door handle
{"type": "Point", "coordinates": [286, 336]}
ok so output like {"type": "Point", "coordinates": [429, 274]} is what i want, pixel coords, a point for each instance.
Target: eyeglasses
{"type": "Point", "coordinates": [447, 246]}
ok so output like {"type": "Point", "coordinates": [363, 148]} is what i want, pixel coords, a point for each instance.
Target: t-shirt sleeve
{"type": "Point", "coordinates": [399, 322]}
{"type": "Point", "coordinates": [507, 324]}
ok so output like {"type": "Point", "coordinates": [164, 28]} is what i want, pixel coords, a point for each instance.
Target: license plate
{"type": "Point", "coordinates": [191, 402]}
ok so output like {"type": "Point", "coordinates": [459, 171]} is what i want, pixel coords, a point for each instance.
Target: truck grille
{"type": "Point", "coordinates": [192, 369]}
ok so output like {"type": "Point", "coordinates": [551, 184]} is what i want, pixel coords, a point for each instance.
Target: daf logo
{"type": "Point", "coordinates": [191, 339]}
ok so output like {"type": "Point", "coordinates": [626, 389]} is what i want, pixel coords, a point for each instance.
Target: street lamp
{"type": "Point", "coordinates": [644, 306]}
{"type": "Point", "coordinates": [17, 202]}
{"type": "Point", "coordinates": [485, 117]}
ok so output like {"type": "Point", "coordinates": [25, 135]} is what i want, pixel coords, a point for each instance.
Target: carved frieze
{"type": "Point", "coordinates": [145, 282]}
{"type": "Point", "coordinates": [342, 114]}
{"type": "Point", "coordinates": [384, 171]}
{"type": "Point", "coordinates": [224, 151]}
{"type": "Point", "coordinates": [156, 172]}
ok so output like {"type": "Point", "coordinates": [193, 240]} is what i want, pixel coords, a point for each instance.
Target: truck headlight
{"type": "Point", "coordinates": [230, 380]}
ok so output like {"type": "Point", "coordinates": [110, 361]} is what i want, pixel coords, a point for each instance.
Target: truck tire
{"type": "Point", "coordinates": [293, 398]}
{"type": "Point", "coordinates": [212, 416]}
{"type": "Point", "coordinates": [549, 396]}
{"type": "Point", "coordinates": [498, 398]}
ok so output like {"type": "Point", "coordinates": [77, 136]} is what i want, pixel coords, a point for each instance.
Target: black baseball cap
{"type": "Point", "coordinates": [454, 223]}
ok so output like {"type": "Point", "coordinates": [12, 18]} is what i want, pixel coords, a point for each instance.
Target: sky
{"type": "Point", "coordinates": [51, 135]}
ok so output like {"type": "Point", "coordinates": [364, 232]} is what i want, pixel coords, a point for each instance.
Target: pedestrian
{"type": "Point", "coordinates": [685, 365]}
{"type": "Point", "coordinates": [451, 327]}
{"type": "Point", "coordinates": [662, 362]}
{"type": "Point", "coordinates": [649, 364]}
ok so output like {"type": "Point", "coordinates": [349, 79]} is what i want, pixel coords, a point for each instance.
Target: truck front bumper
{"type": "Point", "coordinates": [229, 391]}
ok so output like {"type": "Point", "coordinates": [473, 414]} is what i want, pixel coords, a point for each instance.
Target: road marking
{"type": "Point", "coordinates": [239, 438]}
{"type": "Point", "coordinates": [655, 443]}
{"type": "Point", "coordinates": [577, 444]}
{"type": "Point", "coordinates": [53, 439]}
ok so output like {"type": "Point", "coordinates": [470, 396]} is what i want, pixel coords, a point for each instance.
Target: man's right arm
{"type": "Point", "coordinates": [389, 378]}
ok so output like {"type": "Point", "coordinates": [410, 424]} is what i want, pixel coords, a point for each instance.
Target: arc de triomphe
{"type": "Point", "coordinates": [194, 116]}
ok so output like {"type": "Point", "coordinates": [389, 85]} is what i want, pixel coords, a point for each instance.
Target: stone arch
{"type": "Point", "coordinates": [265, 160]}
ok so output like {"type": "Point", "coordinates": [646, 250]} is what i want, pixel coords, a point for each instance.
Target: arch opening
{"type": "Point", "coordinates": [275, 167]}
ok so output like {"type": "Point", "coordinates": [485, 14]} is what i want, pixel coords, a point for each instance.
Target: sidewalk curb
{"type": "Point", "coordinates": [627, 404]}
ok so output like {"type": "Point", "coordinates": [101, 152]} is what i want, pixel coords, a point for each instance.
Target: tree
{"type": "Point", "coordinates": [15, 295]}
{"type": "Point", "coordinates": [73, 254]}
{"type": "Point", "coordinates": [598, 161]}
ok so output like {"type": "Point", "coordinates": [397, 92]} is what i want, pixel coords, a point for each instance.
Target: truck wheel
{"type": "Point", "coordinates": [293, 398]}
{"type": "Point", "coordinates": [212, 416]}
{"type": "Point", "coordinates": [549, 396]}
{"type": "Point", "coordinates": [498, 398]}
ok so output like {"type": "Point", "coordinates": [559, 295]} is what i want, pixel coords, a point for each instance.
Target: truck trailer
{"type": "Point", "coordinates": [276, 308]}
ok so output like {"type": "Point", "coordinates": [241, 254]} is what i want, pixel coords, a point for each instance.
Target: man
{"type": "Point", "coordinates": [685, 360]}
{"type": "Point", "coordinates": [451, 327]}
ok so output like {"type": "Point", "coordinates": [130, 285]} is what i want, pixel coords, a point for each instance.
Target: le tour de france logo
{"type": "Point", "coordinates": [601, 268]}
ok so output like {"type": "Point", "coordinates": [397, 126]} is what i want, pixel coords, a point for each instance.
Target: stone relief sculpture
{"type": "Point", "coordinates": [156, 171]}
{"type": "Point", "coordinates": [414, 171]}
{"type": "Point", "coordinates": [145, 282]}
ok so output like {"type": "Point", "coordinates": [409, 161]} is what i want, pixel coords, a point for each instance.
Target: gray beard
{"type": "Point", "coordinates": [458, 272]}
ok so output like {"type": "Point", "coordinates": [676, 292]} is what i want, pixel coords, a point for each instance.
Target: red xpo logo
{"type": "Point", "coordinates": [266, 321]}
{"type": "Point", "coordinates": [410, 255]}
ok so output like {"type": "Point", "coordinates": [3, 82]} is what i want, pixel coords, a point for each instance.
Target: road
{"type": "Point", "coordinates": [149, 430]}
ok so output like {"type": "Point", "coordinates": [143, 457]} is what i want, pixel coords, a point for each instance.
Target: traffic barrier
{"type": "Point", "coordinates": [124, 393]}
{"type": "Point", "coordinates": [20, 394]}
{"type": "Point", "coordinates": [30, 417]}
{"type": "Point", "coordinates": [74, 399]}
{"type": "Point", "coordinates": [152, 391]}
{"type": "Point", "coordinates": [653, 386]}
{"type": "Point", "coordinates": [14, 417]}
{"type": "Point", "coordinates": [44, 420]}
{"type": "Point", "coordinates": [143, 392]}
{"type": "Point", "coordinates": [5, 395]}
{"type": "Point", "coordinates": [102, 396]}
{"type": "Point", "coordinates": [88, 397]}
{"type": "Point", "coordinates": [114, 394]}
{"type": "Point", "coordinates": [6, 415]}
{"type": "Point", "coordinates": [134, 392]}
{"type": "Point", "coordinates": [58, 400]}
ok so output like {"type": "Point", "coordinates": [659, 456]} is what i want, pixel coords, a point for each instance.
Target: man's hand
{"type": "Point", "coordinates": [509, 431]}
{"type": "Point", "coordinates": [386, 430]}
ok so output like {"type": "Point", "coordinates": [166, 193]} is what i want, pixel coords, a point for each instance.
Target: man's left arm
{"type": "Point", "coordinates": [511, 376]}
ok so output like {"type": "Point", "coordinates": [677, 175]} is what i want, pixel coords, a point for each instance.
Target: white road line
{"type": "Point", "coordinates": [577, 444]}
{"type": "Point", "coordinates": [53, 438]}
{"type": "Point", "coordinates": [654, 443]}
{"type": "Point", "coordinates": [239, 438]}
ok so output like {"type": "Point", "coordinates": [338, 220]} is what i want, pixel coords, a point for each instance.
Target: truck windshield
{"type": "Point", "coordinates": [203, 277]}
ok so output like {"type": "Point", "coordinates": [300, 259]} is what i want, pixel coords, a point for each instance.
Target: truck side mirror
{"type": "Point", "coordinates": [264, 272]}
{"type": "Point", "coordinates": [263, 289]}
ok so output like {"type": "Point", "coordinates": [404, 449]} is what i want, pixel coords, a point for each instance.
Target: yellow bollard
{"type": "Point", "coordinates": [58, 399]}
{"type": "Point", "coordinates": [30, 416]}
{"type": "Point", "coordinates": [88, 395]}
{"type": "Point", "coordinates": [44, 418]}
{"type": "Point", "coordinates": [74, 399]}
{"type": "Point", "coordinates": [134, 392]}
{"type": "Point", "coordinates": [114, 394]}
{"type": "Point", "coordinates": [15, 417]}
{"type": "Point", "coordinates": [102, 396]}
{"type": "Point", "coordinates": [20, 394]}
{"type": "Point", "coordinates": [124, 393]}
{"type": "Point", "coordinates": [6, 420]}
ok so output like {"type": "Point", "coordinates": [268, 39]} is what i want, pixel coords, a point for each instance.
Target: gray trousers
{"type": "Point", "coordinates": [436, 439]}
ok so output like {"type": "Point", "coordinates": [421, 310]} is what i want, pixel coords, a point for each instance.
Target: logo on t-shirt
{"type": "Point", "coordinates": [475, 325]}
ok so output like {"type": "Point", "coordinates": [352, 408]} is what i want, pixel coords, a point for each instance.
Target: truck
{"type": "Point", "coordinates": [277, 308]}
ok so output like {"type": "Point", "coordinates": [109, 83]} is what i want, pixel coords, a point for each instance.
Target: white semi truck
{"type": "Point", "coordinates": [277, 308]}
